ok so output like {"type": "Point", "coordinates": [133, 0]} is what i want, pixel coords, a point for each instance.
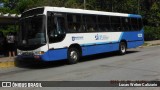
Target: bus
{"type": "Point", "coordinates": [58, 33]}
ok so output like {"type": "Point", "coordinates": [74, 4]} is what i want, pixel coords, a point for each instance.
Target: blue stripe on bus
{"type": "Point", "coordinates": [89, 50]}
{"type": "Point", "coordinates": [99, 43]}
{"type": "Point", "coordinates": [132, 36]}
{"type": "Point", "coordinates": [94, 48]}
{"type": "Point", "coordinates": [60, 54]}
{"type": "Point", "coordinates": [55, 55]}
{"type": "Point", "coordinates": [134, 44]}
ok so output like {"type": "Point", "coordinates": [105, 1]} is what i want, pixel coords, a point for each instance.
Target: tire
{"type": "Point", "coordinates": [73, 55]}
{"type": "Point", "coordinates": [122, 48]}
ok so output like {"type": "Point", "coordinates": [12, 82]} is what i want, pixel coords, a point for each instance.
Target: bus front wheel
{"type": "Point", "coordinates": [73, 55]}
{"type": "Point", "coordinates": [122, 48]}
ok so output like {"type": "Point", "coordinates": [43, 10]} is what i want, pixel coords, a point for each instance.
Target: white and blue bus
{"type": "Point", "coordinates": [58, 33]}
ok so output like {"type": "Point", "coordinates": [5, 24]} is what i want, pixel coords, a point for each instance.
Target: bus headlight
{"type": "Point", "coordinates": [19, 53]}
{"type": "Point", "coordinates": [39, 53]}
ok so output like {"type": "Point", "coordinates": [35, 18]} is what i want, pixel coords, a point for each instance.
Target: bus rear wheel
{"type": "Point", "coordinates": [73, 55]}
{"type": "Point", "coordinates": [122, 48]}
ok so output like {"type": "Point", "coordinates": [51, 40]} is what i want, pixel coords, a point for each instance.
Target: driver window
{"type": "Point", "coordinates": [60, 25]}
{"type": "Point", "coordinates": [50, 24]}
{"type": "Point", "coordinates": [56, 27]}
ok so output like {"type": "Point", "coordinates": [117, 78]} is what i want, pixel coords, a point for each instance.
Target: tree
{"type": "Point", "coordinates": [73, 4]}
{"type": "Point", "coordinates": [155, 14]}
{"type": "Point", "coordinates": [10, 3]}
{"type": "Point", "coordinates": [8, 6]}
{"type": "Point", "coordinates": [23, 5]}
{"type": "Point", "coordinates": [152, 28]}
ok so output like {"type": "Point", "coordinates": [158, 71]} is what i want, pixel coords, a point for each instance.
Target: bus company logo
{"type": "Point", "coordinates": [101, 37]}
{"type": "Point", "coordinates": [140, 35]}
{"type": "Point", "coordinates": [6, 84]}
{"type": "Point", "coordinates": [77, 38]}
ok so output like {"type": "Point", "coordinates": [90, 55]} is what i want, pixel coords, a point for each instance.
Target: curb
{"type": "Point", "coordinates": [149, 45]}
{"type": "Point", "coordinates": [8, 64]}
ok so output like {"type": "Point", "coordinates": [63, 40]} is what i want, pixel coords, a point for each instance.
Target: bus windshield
{"type": "Point", "coordinates": [32, 31]}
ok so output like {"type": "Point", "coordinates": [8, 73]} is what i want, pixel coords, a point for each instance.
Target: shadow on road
{"type": "Point", "coordinates": [33, 64]}
{"type": "Point", "coordinates": [104, 55]}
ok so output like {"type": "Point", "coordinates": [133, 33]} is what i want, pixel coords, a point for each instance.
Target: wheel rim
{"type": "Point", "coordinates": [123, 48]}
{"type": "Point", "coordinates": [74, 55]}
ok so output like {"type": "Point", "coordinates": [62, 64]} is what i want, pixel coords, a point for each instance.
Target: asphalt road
{"type": "Point", "coordinates": [137, 64]}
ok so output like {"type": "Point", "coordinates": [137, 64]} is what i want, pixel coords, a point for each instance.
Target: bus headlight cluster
{"type": "Point", "coordinates": [20, 53]}
{"type": "Point", "coordinates": [39, 53]}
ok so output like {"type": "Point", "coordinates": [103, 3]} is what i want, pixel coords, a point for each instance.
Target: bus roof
{"type": "Point", "coordinates": [82, 11]}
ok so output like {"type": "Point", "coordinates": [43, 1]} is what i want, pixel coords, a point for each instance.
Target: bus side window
{"type": "Point", "coordinates": [134, 24]}
{"type": "Point", "coordinates": [56, 27]}
{"type": "Point", "coordinates": [90, 23]}
{"type": "Point", "coordinates": [140, 24]}
{"type": "Point", "coordinates": [125, 24]}
{"type": "Point", "coordinates": [51, 25]}
{"type": "Point", "coordinates": [103, 23]}
{"type": "Point", "coordinates": [116, 23]}
{"type": "Point", "coordinates": [60, 25]}
{"type": "Point", "coordinates": [74, 23]}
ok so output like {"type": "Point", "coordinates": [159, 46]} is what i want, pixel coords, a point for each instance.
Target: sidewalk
{"type": "Point", "coordinates": [6, 59]}
{"type": "Point", "coordinates": [9, 62]}
{"type": "Point", "coordinates": [152, 43]}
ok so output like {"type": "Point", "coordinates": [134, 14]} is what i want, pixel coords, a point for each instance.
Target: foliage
{"type": "Point", "coordinates": [73, 4]}
{"type": "Point", "coordinates": [23, 5]}
{"type": "Point", "coordinates": [7, 29]}
{"type": "Point", "coordinates": [155, 14]}
{"type": "Point", "coordinates": [152, 33]}
{"type": "Point", "coordinates": [149, 10]}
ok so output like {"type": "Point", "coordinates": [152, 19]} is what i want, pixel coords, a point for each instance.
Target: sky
{"type": "Point", "coordinates": [1, 4]}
